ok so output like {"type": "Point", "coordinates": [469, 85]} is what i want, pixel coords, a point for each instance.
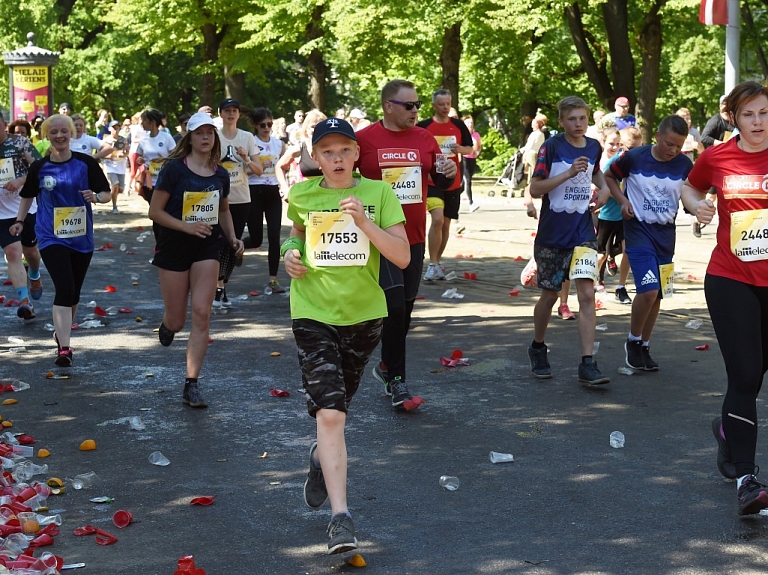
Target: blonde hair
{"type": "Point", "coordinates": [56, 117]}
{"type": "Point", "coordinates": [313, 117]}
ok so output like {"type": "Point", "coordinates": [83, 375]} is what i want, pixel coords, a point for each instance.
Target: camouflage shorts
{"type": "Point", "coordinates": [553, 265]}
{"type": "Point", "coordinates": [332, 360]}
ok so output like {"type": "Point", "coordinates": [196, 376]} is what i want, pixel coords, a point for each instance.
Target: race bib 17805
{"type": "Point", "coordinates": [201, 207]}
{"type": "Point", "coordinates": [333, 239]}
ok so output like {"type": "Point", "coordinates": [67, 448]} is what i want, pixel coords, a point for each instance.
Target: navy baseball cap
{"type": "Point", "coordinates": [229, 103]}
{"type": "Point", "coordinates": [333, 126]}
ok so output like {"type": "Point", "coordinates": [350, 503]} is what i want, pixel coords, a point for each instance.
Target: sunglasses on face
{"type": "Point", "coordinates": [265, 125]}
{"type": "Point", "coordinates": [407, 105]}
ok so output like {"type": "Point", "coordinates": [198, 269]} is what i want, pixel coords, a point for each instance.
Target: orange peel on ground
{"type": "Point", "coordinates": [10, 401]}
{"type": "Point", "coordinates": [41, 453]}
{"type": "Point", "coordinates": [88, 445]}
{"type": "Point", "coordinates": [7, 424]}
{"type": "Point", "coordinates": [357, 561]}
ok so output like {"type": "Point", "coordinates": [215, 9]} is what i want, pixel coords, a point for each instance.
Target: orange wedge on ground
{"type": "Point", "coordinates": [7, 424]}
{"type": "Point", "coordinates": [88, 445]}
{"type": "Point", "coordinates": [10, 401]}
{"type": "Point", "coordinates": [43, 453]}
{"type": "Point", "coordinates": [357, 561]}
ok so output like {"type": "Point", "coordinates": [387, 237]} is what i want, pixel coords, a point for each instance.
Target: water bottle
{"type": "Point", "coordinates": [449, 482]}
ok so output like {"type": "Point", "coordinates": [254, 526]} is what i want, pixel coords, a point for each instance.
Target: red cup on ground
{"type": "Point", "coordinates": [122, 518]}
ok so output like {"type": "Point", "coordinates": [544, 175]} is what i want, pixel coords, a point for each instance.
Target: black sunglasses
{"type": "Point", "coordinates": [265, 125]}
{"type": "Point", "coordinates": [408, 105]}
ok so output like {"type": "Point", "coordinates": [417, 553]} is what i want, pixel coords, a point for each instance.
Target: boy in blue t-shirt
{"type": "Point", "coordinates": [653, 181]}
{"type": "Point", "coordinates": [565, 244]}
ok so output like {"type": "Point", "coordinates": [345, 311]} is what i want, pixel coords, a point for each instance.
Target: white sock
{"type": "Point", "coordinates": [620, 286]}
{"type": "Point", "coordinates": [635, 337]}
{"type": "Point", "coordinates": [646, 343]}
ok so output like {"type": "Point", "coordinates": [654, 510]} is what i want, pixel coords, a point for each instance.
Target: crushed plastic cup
{"type": "Point", "coordinates": [449, 482]}
{"type": "Point", "coordinates": [694, 324]}
{"type": "Point", "coordinates": [49, 327]}
{"type": "Point", "coordinates": [157, 458]}
{"type": "Point", "coordinates": [123, 247]}
{"type": "Point", "coordinates": [267, 290]}
{"type": "Point", "coordinates": [21, 349]}
{"type": "Point", "coordinates": [602, 327]}
{"type": "Point", "coordinates": [497, 457]}
{"type": "Point", "coordinates": [452, 293]}
{"type": "Point", "coordinates": [18, 385]}
{"type": "Point", "coordinates": [242, 297]}
{"type": "Point", "coordinates": [122, 518]}
{"type": "Point", "coordinates": [617, 439]}
{"type": "Point", "coordinates": [24, 450]}
{"type": "Point", "coordinates": [623, 370]}
{"type": "Point", "coordinates": [15, 544]}
{"type": "Point", "coordinates": [44, 520]}
{"type": "Point", "coordinates": [135, 277]}
{"type": "Point", "coordinates": [85, 480]}
{"type": "Point", "coordinates": [14, 339]}
{"type": "Point", "coordinates": [91, 303]}
{"type": "Point", "coordinates": [450, 276]}
{"type": "Point", "coordinates": [137, 424]}
{"type": "Point", "coordinates": [91, 323]}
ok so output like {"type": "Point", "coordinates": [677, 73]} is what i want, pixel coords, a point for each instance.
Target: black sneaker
{"type": "Point", "coordinates": [650, 365]}
{"type": "Point", "coordinates": [341, 530]}
{"type": "Point", "coordinates": [315, 492]}
{"type": "Point", "coordinates": [192, 396]}
{"type": "Point", "coordinates": [165, 335]}
{"type": "Point", "coordinates": [752, 495]}
{"type": "Point", "coordinates": [622, 296]}
{"type": "Point", "coordinates": [633, 354]}
{"type": "Point", "coordinates": [380, 375]}
{"type": "Point", "coordinates": [224, 299]}
{"type": "Point", "coordinates": [399, 391]}
{"type": "Point", "coordinates": [64, 357]}
{"type": "Point", "coordinates": [217, 298]}
{"type": "Point", "coordinates": [612, 268]}
{"type": "Point", "coordinates": [590, 374]}
{"type": "Point", "coordinates": [539, 362]}
{"type": "Point", "coordinates": [725, 466]}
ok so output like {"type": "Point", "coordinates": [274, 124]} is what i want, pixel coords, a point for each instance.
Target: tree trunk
{"type": "Point", "coordinates": [597, 73]}
{"type": "Point", "coordinates": [450, 56]}
{"type": "Point", "coordinates": [622, 64]}
{"type": "Point", "coordinates": [209, 57]}
{"type": "Point", "coordinates": [318, 70]}
{"type": "Point", "coordinates": [746, 16]}
{"type": "Point", "coordinates": [650, 41]}
{"type": "Point", "coordinates": [234, 84]}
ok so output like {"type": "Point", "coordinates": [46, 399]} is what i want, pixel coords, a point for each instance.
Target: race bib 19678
{"type": "Point", "coordinates": [69, 222]}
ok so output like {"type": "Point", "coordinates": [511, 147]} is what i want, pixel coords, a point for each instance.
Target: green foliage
{"type": "Point", "coordinates": [497, 151]}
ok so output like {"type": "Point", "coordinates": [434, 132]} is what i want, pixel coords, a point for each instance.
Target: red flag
{"type": "Point", "coordinates": [713, 12]}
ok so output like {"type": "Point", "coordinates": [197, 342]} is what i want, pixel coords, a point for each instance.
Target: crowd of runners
{"type": "Point", "coordinates": [357, 196]}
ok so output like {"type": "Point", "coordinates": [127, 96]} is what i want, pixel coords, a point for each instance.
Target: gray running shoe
{"type": "Point", "coordinates": [380, 375]}
{"type": "Point", "coordinates": [315, 492]}
{"type": "Point", "coordinates": [590, 374]}
{"type": "Point", "coordinates": [399, 391]}
{"type": "Point", "coordinates": [341, 530]}
{"type": "Point", "coordinates": [539, 362]}
{"type": "Point", "coordinates": [192, 396]}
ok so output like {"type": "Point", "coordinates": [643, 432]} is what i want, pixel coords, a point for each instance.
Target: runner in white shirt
{"type": "Point", "coordinates": [240, 156]}
{"type": "Point", "coordinates": [85, 144]}
{"type": "Point", "coordinates": [115, 165]}
{"type": "Point", "coordinates": [155, 145]}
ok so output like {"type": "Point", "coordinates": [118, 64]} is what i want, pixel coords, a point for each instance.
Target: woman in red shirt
{"type": "Point", "coordinates": [736, 284]}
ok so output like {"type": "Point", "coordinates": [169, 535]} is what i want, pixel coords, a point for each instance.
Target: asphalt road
{"type": "Point", "coordinates": [568, 504]}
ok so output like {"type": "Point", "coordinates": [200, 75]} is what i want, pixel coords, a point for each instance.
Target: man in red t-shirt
{"type": "Point", "coordinates": [397, 151]}
{"type": "Point", "coordinates": [454, 140]}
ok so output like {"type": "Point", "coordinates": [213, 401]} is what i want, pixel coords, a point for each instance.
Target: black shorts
{"type": "Point", "coordinates": [177, 251]}
{"type": "Point", "coordinates": [610, 234]}
{"type": "Point", "coordinates": [391, 276]}
{"type": "Point", "coordinates": [28, 238]}
{"type": "Point", "coordinates": [451, 201]}
{"type": "Point", "coordinates": [332, 360]}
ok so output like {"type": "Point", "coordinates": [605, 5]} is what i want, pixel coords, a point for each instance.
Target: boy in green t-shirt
{"type": "Point", "coordinates": [340, 226]}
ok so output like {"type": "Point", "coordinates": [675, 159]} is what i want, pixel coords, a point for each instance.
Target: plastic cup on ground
{"type": "Point", "coordinates": [617, 440]}
{"type": "Point", "coordinates": [497, 457]}
{"type": "Point", "coordinates": [122, 518]}
{"type": "Point", "coordinates": [449, 482]}
{"type": "Point", "coordinates": [157, 458]}
{"type": "Point", "coordinates": [28, 522]}
{"type": "Point", "coordinates": [85, 480]}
